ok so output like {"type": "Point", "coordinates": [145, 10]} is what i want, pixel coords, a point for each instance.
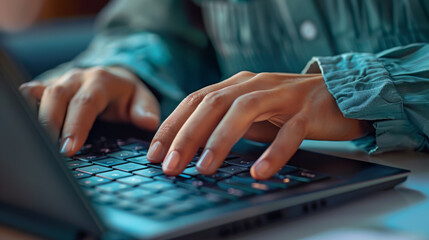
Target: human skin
{"type": "Point", "coordinates": [70, 104]}
{"type": "Point", "coordinates": [280, 108]}
{"type": "Point", "coordinates": [16, 15]}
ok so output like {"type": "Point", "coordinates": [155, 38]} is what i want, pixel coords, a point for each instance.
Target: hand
{"type": "Point", "coordinates": [278, 107]}
{"type": "Point", "coordinates": [70, 104]}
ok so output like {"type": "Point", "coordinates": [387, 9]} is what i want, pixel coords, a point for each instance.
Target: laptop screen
{"type": "Point", "coordinates": [31, 176]}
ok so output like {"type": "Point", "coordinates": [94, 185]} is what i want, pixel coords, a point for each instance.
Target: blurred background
{"type": "Point", "coordinates": [58, 31]}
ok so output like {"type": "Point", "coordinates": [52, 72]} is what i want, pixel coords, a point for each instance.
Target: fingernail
{"type": "Point", "coordinates": [155, 151]}
{"type": "Point", "coordinates": [172, 161]}
{"type": "Point", "coordinates": [206, 161]}
{"type": "Point", "coordinates": [262, 168]}
{"type": "Point", "coordinates": [67, 146]}
{"type": "Point", "coordinates": [147, 114]}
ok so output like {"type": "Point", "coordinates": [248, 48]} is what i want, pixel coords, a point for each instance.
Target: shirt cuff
{"type": "Point", "coordinates": [364, 89]}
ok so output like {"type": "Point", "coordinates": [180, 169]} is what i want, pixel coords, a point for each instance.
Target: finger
{"type": "Point", "coordinates": [171, 126]}
{"type": "Point", "coordinates": [145, 111]}
{"type": "Point", "coordinates": [282, 149]}
{"type": "Point", "coordinates": [199, 126]}
{"type": "Point", "coordinates": [90, 100]}
{"type": "Point", "coordinates": [32, 92]}
{"type": "Point", "coordinates": [242, 114]}
{"type": "Point", "coordinates": [54, 102]}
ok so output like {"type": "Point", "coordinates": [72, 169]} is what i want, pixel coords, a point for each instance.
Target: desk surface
{"type": "Point", "coordinates": [400, 213]}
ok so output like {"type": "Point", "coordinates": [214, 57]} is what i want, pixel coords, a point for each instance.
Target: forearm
{"type": "Point", "coordinates": [390, 89]}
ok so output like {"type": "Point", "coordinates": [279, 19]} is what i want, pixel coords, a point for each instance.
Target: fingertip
{"type": "Point", "coordinates": [261, 170]}
{"type": "Point", "coordinates": [68, 147]}
{"type": "Point", "coordinates": [172, 163]}
{"type": "Point", "coordinates": [155, 153]}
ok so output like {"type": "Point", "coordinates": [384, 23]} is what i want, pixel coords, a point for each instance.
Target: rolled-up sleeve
{"type": "Point", "coordinates": [390, 89]}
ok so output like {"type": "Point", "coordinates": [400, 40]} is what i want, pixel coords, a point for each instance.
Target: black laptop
{"type": "Point", "coordinates": [110, 191]}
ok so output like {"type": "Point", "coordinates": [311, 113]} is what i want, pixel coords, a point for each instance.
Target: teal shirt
{"type": "Point", "coordinates": [373, 54]}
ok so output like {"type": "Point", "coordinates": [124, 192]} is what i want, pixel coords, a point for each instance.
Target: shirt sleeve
{"type": "Point", "coordinates": [156, 41]}
{"type": "Point", "coordinates": [390, 89]}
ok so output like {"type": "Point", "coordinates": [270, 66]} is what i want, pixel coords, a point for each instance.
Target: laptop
{"type": "Point", "coordinates": [110, 191]}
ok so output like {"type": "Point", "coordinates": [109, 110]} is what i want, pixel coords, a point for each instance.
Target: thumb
{"type": "Point", "coordinates": [144, 111]}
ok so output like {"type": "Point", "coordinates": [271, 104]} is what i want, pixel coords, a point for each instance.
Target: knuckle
{"type": "Point", "coordinates": [165, 133]}
{"type": "Point", "coordinates": [194, 99]}
{"type": "Point", "coordinates": [263, 75]}
{"type": "Point", "coordinates": [185, 139]}
{"type": "Point", "coordinates": [245, 74]}
{"type": "Point", "coordinates": [298, 123]}
{"type": "Point", "coordinates": [71, 75]}
{"type": "Point", "coordinates": [56, 90]}
{"type": "Point", "coordinates": [99, 72]}
{"type": "Point", "coordinates": [214, 98]}
{"type": "Point", "coordinates": [247, 101]}
{"type": "Point", "coordinates": [84, 100]}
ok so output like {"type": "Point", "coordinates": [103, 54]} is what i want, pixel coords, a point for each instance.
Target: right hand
{"type": "Point", "coordinates": [70, 104]}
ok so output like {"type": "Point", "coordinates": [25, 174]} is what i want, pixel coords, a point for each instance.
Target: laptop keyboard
{"type": "Point", "coordinates": [117, 173]}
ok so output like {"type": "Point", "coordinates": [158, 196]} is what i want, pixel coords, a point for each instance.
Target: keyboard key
{"type": "Point", "coordinates": [115, 174]}
{"type": "Point", "coordinates": [124, 154]}
{"type": "Point", "coordinates": [76, 163]}
{"type": "Point", "coordinates": [105, 199]}
{"type": "Point", "coordinates": [139, 160]}
{"type": "Point", "coordinates": [166, 178]}
{"type": "Point", "coordinates": [90, 157]}
{"type": "Point", "coordinates": [129, 167]}
{"type": "Point", "coordinates": [281, 181]}
{"type": "Point", "coordinates": [226, 192]}
{"type": "Point", "coordinates": [80, 175]}
{"type": "Point", "coordinates": [198, 201]}
{"type": "Point", "coordinates": [108, 162]}
{"type": "Point", "coordinates": [135, 180]}
{"type": "Point", "coordinates": [135, 194]}
{"type": "Point", "coordinates": [244, 177]}
{"type": "Point", "coordinates": [287, 169]}
{"type": "Point", "coordinates": [182, 208]}
{"type": "Point", "coordinates": [192, 171]}
{"type": "Point", "coordinates": [126, 204]}
{"type": "Point", "coordinates": [155, 165]}
{"type": "Point", "coordinates": [308, 176]}
{"type": "Point", "coordinates": [240, 162]}
{"type": "Point", "coordinates": [214, 177]}
{"type": "Point", "coordinates": [214, 198]}
{"type": "Point", "coordinates": [90, 192]}
{"type": "Point", "coordinates": [193, 183]}
{"type": "Point", "coordinates": [66, 159]}
{"type": "Point", "coordinates": [159, 201]}
{"type": "Point", "coordinates": [232, 170]}
{"type": "Point", "coordinates": [191, 164]}
{"type": "Point", "coordinates": [94, 169]}
{"type": "Point", "coordinates": [157, 186]}
{"type": "Point", "coordinates": [93, 181]}
{"type": "Point", "coordinates": [112, 187]}
{"type": "Point", "coordinates": [134, 147]}
{"type": "Point", "coordinates": [149, 172]}
{"type": "Point", "coordinates": [178, 193]}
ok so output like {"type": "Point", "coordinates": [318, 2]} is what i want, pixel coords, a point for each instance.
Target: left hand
{"type": "Point", "coordinates": [278, 107]}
